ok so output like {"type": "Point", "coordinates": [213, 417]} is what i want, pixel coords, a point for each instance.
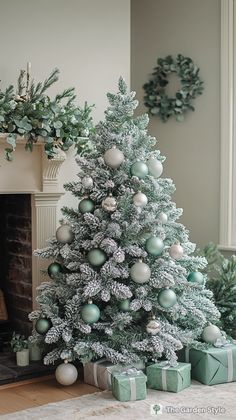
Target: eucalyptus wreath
{"type": "Point", "coordinates": [30, 113]}
{"type": "Point", "coordinates": [156, 99]}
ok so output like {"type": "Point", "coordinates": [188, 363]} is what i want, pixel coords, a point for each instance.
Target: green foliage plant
{"type": "Point", "coordinates": [30, 113]}
{"type": "Point", "coordinates": [18, 342]}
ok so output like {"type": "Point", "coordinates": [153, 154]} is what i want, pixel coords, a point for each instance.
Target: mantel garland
{"type": "Point", "coordinates": [156, 99]}
{"type": "Point", "coordinates": [30, 113]}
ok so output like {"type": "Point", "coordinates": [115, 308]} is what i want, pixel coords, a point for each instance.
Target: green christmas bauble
{"type": "Point", "coordinates": [154, 246]}
{"type": "Point", "coordinates": [139, 169]}
{"type": "Point", "coordinates": [66, 374]}
{"type": "Point", "coordinates": [86, 206]}
{"type": "Point", "coordinates": [43, 325]}
{"type": "Point", "coordinates": [90, 313]}
{"type": "Point", "coordinates": [54, 269]}
{"type": "Point", "coordinates": [196, 277]}
{"type": "Point", "coordinates": [64, 234]}
{"type": "Point", "coordinates": [167, 298]}
{"type": "Point", "coordinates": [124, 305]}
{"type": "Point", "coordinates": [211, 333]}
{"type": "Point", "coordinates": [140, 272]}
{"type": "Point", "coordinates": [96, 257]}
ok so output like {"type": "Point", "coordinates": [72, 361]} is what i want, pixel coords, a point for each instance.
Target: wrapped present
{"type": "Point", "coordinates": [129, 385]}
{"type": "Point", "coordinates": [215, 365]}
{"type": "Point", "coordinates": [98, 373]}
{"type": "Point", "coordinates": [164, 377]}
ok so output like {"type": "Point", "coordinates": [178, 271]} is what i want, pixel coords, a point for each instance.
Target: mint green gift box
{"type": "Point", "coordinates": [164, 377]}
{"type": "Point", "coordinates": [215, 365]}
{"type": "Point", "coordinates": [129, 385]}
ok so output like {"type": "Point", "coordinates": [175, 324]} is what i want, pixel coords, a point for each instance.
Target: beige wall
{"type": "Point", "coordinates": [190, 27]}
{"type": "Point", "coordinates": [88, 40]}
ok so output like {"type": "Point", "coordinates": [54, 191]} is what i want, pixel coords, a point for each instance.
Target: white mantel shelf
{"type": "Point", "coordinates": [32, 173]}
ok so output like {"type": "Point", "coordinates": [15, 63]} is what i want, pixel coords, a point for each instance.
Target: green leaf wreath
{"type": "Point", "coordinates": [156, 99]}
{"type": "Point", "coordinates": [30, 113]}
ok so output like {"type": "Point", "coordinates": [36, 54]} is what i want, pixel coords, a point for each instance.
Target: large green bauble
{"type": "Point", "coordinates": [90, 313]}
{"type": "Point", "coordinates": [54, 269]}
{"type": "Point", "coordinates": [86, 206]}
{"type": "Point", "coordinates": [124, 305]}
{"type": "Point", "coordinates": [43, 325]}
{"type": "Point", "coordinates": [97, 257]}
{"type": "Point", "coordinates": [167, 298]}
{"type": "Point", "coordinates": [154, 246]}
{"type": "Point", "coordinates": [196, 277]}
{"type": "Point", "coordinates": [211, 333]}
{"type": "Point", "coordinates": [139, 169]}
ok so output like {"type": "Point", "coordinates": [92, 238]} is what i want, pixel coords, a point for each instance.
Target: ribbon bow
{"type": "Point", "coordinates": [131, 371]}
{"type": "Point", "coordinates": [222, 342]}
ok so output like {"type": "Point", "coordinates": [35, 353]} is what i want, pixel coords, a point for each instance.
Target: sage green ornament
{"type": "Point", "coordinates": [154, 246]}
{"type": "Point", "coordinates": [196, 277]}
{"type": "Point", "coordinates": [211, 333]}
{"type": "Point", "coordinates": [167, 298]}
{"type": "Point", "coordinates": [43, 325]}
{"type": "Point", "coordinates": [97, 257]}
{"type": "Point", "coordinates": [155, 167]}
{"type": "Point", "coordinates": [54, 269]}
{"type": "Point", "coordinates": [139, 169]}
{"type": "Point", "coordinates": [140, 272]}
{"type": "Point", "coordinates": [64, 234]}
{"type": "Point", "coordinates": [124, 305]}
{"type": "Point", "coordinates": [90, 313]}
{"type": "Point", "coordinates": [86, 206]}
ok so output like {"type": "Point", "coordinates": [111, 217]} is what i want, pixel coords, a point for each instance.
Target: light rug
{"type": "Point", "coordinates": [197, 402]}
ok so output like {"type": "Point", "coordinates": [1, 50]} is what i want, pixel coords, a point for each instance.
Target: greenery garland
{"type": "Point", "coordinates": [156, 99]}
{"type": "Point", "coordinates": [30, 113]}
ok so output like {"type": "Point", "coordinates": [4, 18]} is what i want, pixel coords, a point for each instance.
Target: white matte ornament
{"type": "Point", "coordinates": [113, 157]}
{"type": "Point", "coordinates": [176, 251]}
{"type": "Point", "coordinates": [64, 234]}
{"type": "Point", "coordinates": [163, 217]}
{"type": "Point", "coordinates": [87, 182]}
{"type": "Point", "coordinates": [109, 203]}
{"type": "Point", "coordinates": [66, 374]}
{"type": "Point", "coordinates": [140, 272]}
{"type": "Point", "coordinates": [211, 333]}
{"type": "Point", "coordinates": [153, 327]}
{"type": "Point", "coordinates": [140, 199]}
{"type": "Point", "coordinates": [155, 167]}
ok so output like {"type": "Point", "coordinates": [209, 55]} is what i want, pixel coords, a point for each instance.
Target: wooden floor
{"type": "Point", "coordinates": [35, 392]}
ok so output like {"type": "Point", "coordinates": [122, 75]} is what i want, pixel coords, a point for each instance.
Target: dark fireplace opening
{"type": "Point", "coordinates": [15, 263]}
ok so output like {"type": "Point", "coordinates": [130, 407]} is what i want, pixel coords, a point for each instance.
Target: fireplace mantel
{"type": "Point", "coordinates": [32, 173]}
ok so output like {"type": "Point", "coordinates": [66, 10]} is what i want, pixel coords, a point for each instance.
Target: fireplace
{"type": "Point", "coordinates": [16, 258]}
{"type": "Point", "coordinates": [29, 194]}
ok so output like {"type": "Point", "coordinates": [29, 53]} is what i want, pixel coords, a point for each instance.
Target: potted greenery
{"type": "Point", "coordinates": [19, 345]}
{"type": "Point", "coordinates": [35, 348]}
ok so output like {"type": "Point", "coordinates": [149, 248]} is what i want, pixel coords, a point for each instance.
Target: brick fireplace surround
{"type": "Point", "coordinates": [29, 194]}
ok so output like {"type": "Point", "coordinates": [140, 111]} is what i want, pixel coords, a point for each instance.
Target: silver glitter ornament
{"type": "Point", "coordinates": [153, 327]}
{"type": "Point", "coordinates": [109, 203]}
{"type": "Point", "coordinates": [87, 182]}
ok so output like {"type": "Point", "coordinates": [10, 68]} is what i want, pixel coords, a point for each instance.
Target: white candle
{"type": "Point", "coordinates": [28, 68]}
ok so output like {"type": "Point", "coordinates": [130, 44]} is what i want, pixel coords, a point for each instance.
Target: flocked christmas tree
{"type": "Point", "coordinates": [125, 284]}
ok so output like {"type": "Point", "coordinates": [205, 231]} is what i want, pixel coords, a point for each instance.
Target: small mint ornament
{"type": "Point", "coordinates": [124, 305]}
{"type": "Point", "coordinates": [43, 325]}
{"type": "Point", "coordinates": [154, 246]}
{"type": "Point", "coordinates": [97, 257]}
{"type": "Point", "coordinates": [139, 169]}
{"type": "Point", "coordinates": [167, 298]}
{"type": "Point", "coordinates": [86, 206]}
{"type": "Point", "coordinates": [90, 313]}
{"type": "Point", "coordinates": [54, 269]}
{"type": "Point", "coordinates": [196, 277]}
